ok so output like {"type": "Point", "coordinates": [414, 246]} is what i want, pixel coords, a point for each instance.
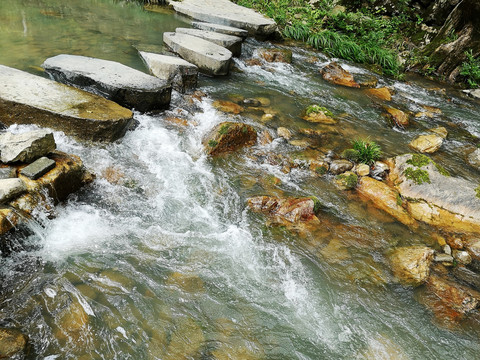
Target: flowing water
{"type": "Point", "coordinates": [159, 258]}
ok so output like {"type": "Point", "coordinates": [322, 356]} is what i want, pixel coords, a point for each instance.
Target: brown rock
{"type": "Point", "coordinates": [284, 133]}
{"type": "Point", "coordinates": [177, 121]}
{"type": "Point", "coordinates": [380, 93]}
{"type": "Point", "coordinates": [411, 265]}
{"type": "Point", "coordinates": [319, 117]}
{"type": "Point", "coordinates": [228, 107]}
{"type": "Point", "coordinates": [265, 138]}
{"type": "Point", "coordinates": [228, 137]}
{"type": "Point", "coordinates": [426, 143]}
{"type": "Point", "coordinates": [186, 282]}
{"type": "Point", "coordinates": [253, 62]}
{"type": "Point", "coordinates": [398, 117]}
{"type": "Point", "coordinates": [440, 131]}
{"type": "Point", "coordinates": [319, 167]}
{"type": "Point", "coordinates": [284, 209]}
{"type": "Point", "coordinates": [362, 170]}
{"type": "Point", "coordinates": [11, 342]}
{"type": "Point", "coordinates": [276, 55]}
{"type": "Point", "coordinates": [335, 74]}
{"type": "Point", "coordinates": [385, 198]}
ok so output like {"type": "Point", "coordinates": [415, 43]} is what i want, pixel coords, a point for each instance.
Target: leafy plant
{"type": "Point", "coordinates": [363, 151]}
{"type": "Point", "coordinates": [471, 69]}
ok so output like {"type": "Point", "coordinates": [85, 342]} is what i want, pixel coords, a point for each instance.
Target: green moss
{"type": "Point", "coordinates": [399, 200]}
{"type": "Point", "coordinates": [224, 129]}
{"type": "Point", "coordinates": [419, 160]}
{"type": "Point", "coordinates": [418, 176]}
{"type": "Point", "coordinates": [321, 170]}
{"type": "Point", "coordinates": [316, 204]}
{"type": "Point", "coordinates": [212, 143]}
{"type": "Point", "coordinates": [350, 180]}
{"type": "Point", "coordinates": [441, 169]}
{"type": "Point", "coordinates": [244, 129]}
{"type": "Point", "coordinates": [315, 109]}
{"type": "Point", "coordinates": [477, 191]}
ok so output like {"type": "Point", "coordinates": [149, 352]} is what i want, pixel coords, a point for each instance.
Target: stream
{"type": "Point", "coordinates": [159, 258]}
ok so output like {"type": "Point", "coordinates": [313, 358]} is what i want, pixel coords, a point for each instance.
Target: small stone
{"type": "Point", "coordinates": [463, 257]}
{"type": "Point", "coordinates": [398, 117]}
{"type": "Point", "coordinates": [38, 168]}
{"type": "Point", "coordinates": [340, 166]}
{"type": "Point", "coordinates": [379, 170]}
{"type": "Point", "coordinates": [380, 93]}
{"type": "Point", "coordinates": [443, 258]}
{"type": "Point", "coordinates": [474, 159]}
{"type": "Point", "coordinates": [335, 74]}
{"type": "Point", "coordinates": [427, 143]}
{"type": "Point", "coordinates": [11, 342]}
{"type": "Point", "coordinates": [276, 55]}
{"type": "Point", "coordinates": [447, 250]}
{"type": "Point", "coordinates": [264, 138]}
{"type": "Point", "coordinates": [346, 181]}
{"type": "Point", "coordinates": [319, 167]}
{"type": "Point", "coordinates": [362, 169]}
{"type": "Point", "coordinates": [440, 131]}
{"type": "Point", "coordinates": [411, 265]}
{"type": "Point", "coordinates": [26, 147]}
{"type": "Point", "coordinates": [284, 133]}
{"type": "Point", "coordinates": [267, 117]}
{"type": "Point", "coordinates": [11, 188]}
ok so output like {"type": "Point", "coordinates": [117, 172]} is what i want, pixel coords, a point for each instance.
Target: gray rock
{"type": "Point", "coordinates": [224, 12]}
{"type": "Point", "coordinates": [473, 93]}
{"type": "Point", "coordinates": [447, 249]}
{"type": "Point", "coordinates": [222, 29]}
{"type": "Point", "coordinates": [467, 276]}
{"type": "Point", "coordinates": [112, 80]}
{"type": "Point", "coordinates": [443, 258]}
{"type": "Point", "coordinates": [11, 188]}
{"type": "Point", "coordinates": [26, 147]}
{"type": "Point", "coordinates": [38, 168]}
{"type": "Point", "coordinates": [462, 256]}
{"type": "Point", "coordinates": [210, 58]}
{"type": "Point", "coordinates": [340, 166]}
{"type": "Point", "coordinates": [7, 172]}
{"type": "Point", "coordinates": [232, 43]}
{"type": "Point", "coordinates": [30, 99]}
{"type": "Point", "coordinates": [180, 73]}
{"type": "Point", "coordinates": [474, 159]}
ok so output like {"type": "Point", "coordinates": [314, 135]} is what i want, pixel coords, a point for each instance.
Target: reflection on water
{"type": "Point", "coordinates": [158, 259]}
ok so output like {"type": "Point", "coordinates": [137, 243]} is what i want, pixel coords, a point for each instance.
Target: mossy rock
{"type": "Point", "coordinates": [229, 136]}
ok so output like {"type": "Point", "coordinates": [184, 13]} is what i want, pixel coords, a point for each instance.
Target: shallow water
{"type": "Point", "coordinates": [166, 262]}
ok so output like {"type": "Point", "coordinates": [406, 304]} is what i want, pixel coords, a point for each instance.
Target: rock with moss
{"type": "Point", "coordinates": [335, 74]}
{"type": "Point", "coordinates": [346, 181]}
{"type": "Point", "coordinates": [276, 55]}
{"type": "Point", "coordinates": [340, 166]}
{"type": "Point", "coordinates": [229, 136]}
{"type": "Point", "coordinates": [319, 114]}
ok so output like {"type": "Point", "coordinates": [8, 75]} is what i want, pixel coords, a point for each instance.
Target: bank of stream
{"type": "Point", "coordinates": [159, 257]}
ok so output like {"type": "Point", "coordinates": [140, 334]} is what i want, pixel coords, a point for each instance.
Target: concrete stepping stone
{"type": "Point", "coordinates": [232, 43]}
{"type": "Point", "coordinates": [180, 73]}
{"type": "Point", "coordinates": [38, 168]}
{"type": "Point", "coordinates": [31, 99]}
{"type": "Point", "coordinates": [26, 147]}
{"type": "Point", "coordinates": [210, 58]}
{"type": "Point", "coordinates": [224, 12]}
{"type": "Point", "coordinates": [126, 86]}
{"type": "Point", "coordinates": [222, 29]}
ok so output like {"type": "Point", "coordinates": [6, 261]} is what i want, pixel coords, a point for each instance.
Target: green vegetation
{"type": "Point", "coordinates": [418, 176]}
{"type": "Point", "coordinates": [318, 109]}
{"type": "Point", "coordinates": [399, 200]}
{"type": "Point", "coordinates": [321, 170]}
{"type": "Point", "coordinates": [316, 204]}
{"type": "Point", "coordinates": [349, 180]}
{"type": "Point", "coordinates": [471, 70]}
{"type": "Point", "coordinates": [364, 151]}
{"type": "Point", "coordinates": [362, 36]}
{"type": "Point", "coordinates": [477, 191]}
{"type": "Point", "coordinates": [420, 160]}
{"type": "Point", "coordinates": [224, 129]}
{"type": "Point", "coordinates": [212, 143]}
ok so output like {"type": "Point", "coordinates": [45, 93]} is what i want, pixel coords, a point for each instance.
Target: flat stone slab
{"type": "Point", "coordinates": [210, 58]}
{"type": "Point", "coordinates": [221, 29]}
{"type": "Point", "coordinates": [38, 168]}
{"type": "Point", "coordinates": [7, 172]}
{"type": "Point", "coordinates": [180, 73]}
{"type": "Point", "coordinates": [26, 147]}
{"type": "Point", "coordinates": [11, 188]}
{"type": "Point", "coordinates": [224, 12]}
{"type": "Point", "coordinates": [126, 86]}
{"type": "Point", "coordinates": [31, 99]}
{"type": "Point", "coordinates": [232, 43]}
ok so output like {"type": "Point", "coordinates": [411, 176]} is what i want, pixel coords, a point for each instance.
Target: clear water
{"type": "Point", "coordinates": [168, 264]}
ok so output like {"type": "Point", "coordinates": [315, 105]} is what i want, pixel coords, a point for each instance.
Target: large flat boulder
{"type": "Point", "coordinates": [232, 43]}
{"type": "Point", "coordinates": [224, 12]}
{"type": "Point", "coordinates": [30, 99]}
{"type": "Point", "coordinates": [126, 86]}
{"type": "Point", "coordinates": [210, 58]}
{"type": "Point", "coordinates": [26, 147]}
{"type": "Point", "coordinates": [222, 29]}
{"type": "Point", "coordinates": [180, 73]}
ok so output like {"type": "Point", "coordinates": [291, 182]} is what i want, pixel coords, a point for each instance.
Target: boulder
{"type": "Point", "coordinates": [340, 166]}
{"type": "Point", "coordinates": [230, 42]}
{"type": "Point", "coordinates": [474, 93]}
{"type": "Point", "coordinates": [440, 131]}
{"type": "Point", "coordinates": [178, 72]}
{"type": "Point", "coordinates": [284, 209]}
{"type": "Point", "coordinates": [229, 136]}
{"type": "Point", "coordinates": [426, 143]}
{"type": "Point", "coordinates": [11, 188]}
{"type": "Point", "coordinates": [210, 58]}
{"type": "Point", "coordinates": [347, 180]}
{"type": "Point", "coordinates": [30, 99]}
{"type": "Point", "coordinates": [474, 159]}
{"type": "Point", "coordinates": [276, 55]}
{"type": "Point", "coordinates": [284, 133]}
{"type": "Point", "coordinates": [411, 265]}
{"type": "Point", "coordinates": [335, 74]}
{"type": "Point", "coordinates": [398, 117]}
{"type": "Point", "coordinates": [12, 342]}
{"type": "Point", "coordinates": [228, 107]}
{"type": "Point", "coordinates": [26, 147]}
{"type": "Point", "coordinates": [434, 197]}
{"type": "Point", "coordinates": [126, 86]}
{"type": "Point", "coordinates": [382, 93]}
{"type": "Point", "coordinates": [222, 29]}
{"type": "Point", "coordinates": [224, 12]}
{"type": "Point", "coordinates": [320, 116]}
{"type": "Point", "coordinates": [384, 198]}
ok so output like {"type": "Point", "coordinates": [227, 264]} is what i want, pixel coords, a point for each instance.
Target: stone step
{"type": "Point", "coordinates": [210, 58]}
{"type": "Point", "coordinates": [31, 99]}
{"type": "Point", "coordinates": [126, 86]}
{"type": "Point", "coordinates": [180, 73]}
{"type": "Point", "coordinates": [222, 29]}
{"type": "Point", "coordinates": [224, 12]}
{"type": "Point", "coordinates": [232, 43]}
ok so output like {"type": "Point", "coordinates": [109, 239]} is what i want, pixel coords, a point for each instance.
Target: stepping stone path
{"type": "Point", "coordinates": [232, 43]}
{"type": "Point", "coordinates": [180, 73]}
{"type": "Point", "coordinates": [210, 58]}
{"type": "Point", "coordinates": [221, 29]}
{"type": "Point", "coordinates": [30, 99]}
{"type": "Point", "coordinates": [117, 82]}
{"type": "Point", "coordinates": [224, 12]}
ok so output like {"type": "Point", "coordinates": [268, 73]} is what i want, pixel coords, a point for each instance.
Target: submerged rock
{"type": "Point", "coordinates": [26, 147]}
{"type": "Point", "coordinates": [284, 133]}
{"type": "Point", "coordinates": [382, 93]}
{"type": "Point", "coordinates": [228, 107]}
{"type": "Point", "coordinates": [210, 58]}
{"type": "Point", "coordinates": [335, 74]}
{"type": "Point", "coordinates": [398, 117]}
{"type": "Point", "coordinates": [284, 209]}
{"type": "Point", "coordinates": [229, 136]}
{"type": "Point", "coordinates": [12, 342]}
{"type": "Point", "coordinates": [117, 82]}
{"type": "Point", "coordinates": [30, 99]}
{"type": "Point", "coordinates": [427, 143]}
{"type": "Point", "coordinates": [230, 42]}
{"type": "Point", "coordinates": [411, 265]}
{"type": "Point", "coordinates": [340, 166]}
{"type": "Point", "coordinates": [276, 55]}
